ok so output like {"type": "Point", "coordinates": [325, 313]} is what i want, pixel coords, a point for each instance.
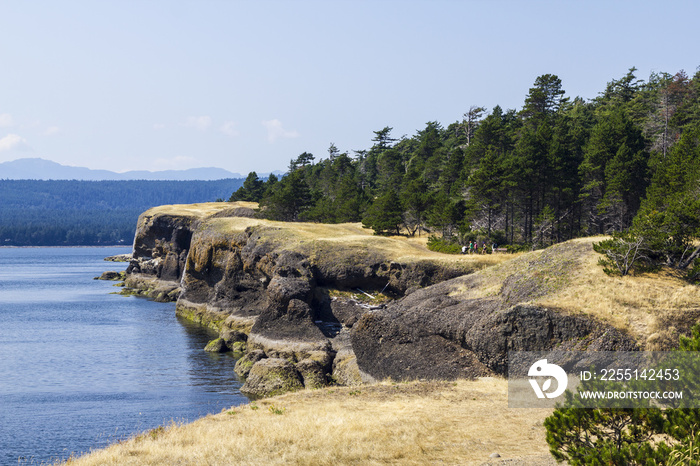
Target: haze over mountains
{"type": "Point", "coordinates": [41, 169]}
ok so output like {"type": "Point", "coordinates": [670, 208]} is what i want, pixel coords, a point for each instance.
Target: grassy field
{"type": "Point", "coordinates": [201, 210]}
{"type": "Point", "coordinates": [461, 422]}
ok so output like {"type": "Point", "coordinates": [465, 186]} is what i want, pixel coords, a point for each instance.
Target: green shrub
{"type": "Point", "coordinates": [624, 253]}
{"type": "Point", "coordinates": [444, 246]}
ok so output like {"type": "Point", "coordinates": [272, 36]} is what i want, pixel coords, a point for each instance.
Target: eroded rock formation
{"type": "Point", "coordinates": [268, 289]}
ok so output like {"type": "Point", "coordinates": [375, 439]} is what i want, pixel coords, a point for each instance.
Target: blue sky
{"type": "Point", "coordinates": [248, 85]}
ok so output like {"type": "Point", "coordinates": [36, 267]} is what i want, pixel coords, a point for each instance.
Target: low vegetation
{"type": "Point", "coordinates": [640, 436]}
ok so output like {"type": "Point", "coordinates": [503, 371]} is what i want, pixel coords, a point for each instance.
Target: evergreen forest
{"type": "Point", "coordinates": [626, 162]}
{"type": "Point", "coordinates": [88, 213]}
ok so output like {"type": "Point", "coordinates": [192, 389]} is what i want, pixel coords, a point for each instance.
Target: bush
{"type": "Point", "coordinates": [513, 248]}
{"type": "Point", "coordinates": [624, 253]}
{"type": "Point", "coordinates": [443, 245]}
{"type": "Point", "coordinates": [693, 274]}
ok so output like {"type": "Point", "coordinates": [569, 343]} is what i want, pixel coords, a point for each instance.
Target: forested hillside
{"type": "Point", "coordinates": [59, 212]}
{"type": "Point", "coordinates": [558, 168]}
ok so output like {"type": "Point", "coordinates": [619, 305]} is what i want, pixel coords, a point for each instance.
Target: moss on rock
{"type": "Point", "coordinates": [272, 376]}
{"type": "Point", "coordinates": [217, 345]}
{"type": "Point", "coordinates": [244, 364]}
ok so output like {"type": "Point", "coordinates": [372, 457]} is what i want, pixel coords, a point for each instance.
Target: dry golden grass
{"type": "Point", "coordinates": [408, 423]}
{"type": "Point", "coordinates": [203, 209]}
{"type": "Point", "coordinates": [398, 248]}
{"type": "Point", "coordinates": [314, 237]}
{"type": "Point", "coordinates": [653, 308]}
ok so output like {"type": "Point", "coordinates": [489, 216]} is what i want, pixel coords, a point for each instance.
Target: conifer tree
{"type": "Point", "coordinates": [384, 215]}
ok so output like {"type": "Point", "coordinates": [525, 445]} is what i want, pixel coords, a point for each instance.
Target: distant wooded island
{"type": "Point", "coordinates": [89, 213]}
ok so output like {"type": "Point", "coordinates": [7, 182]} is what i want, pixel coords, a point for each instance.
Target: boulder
{"type": "Point", "coordinates": [111, 275]}
{"type": "Point", "coordinates": [272, 376]}
{"type": "Point", "coordinates": [217, 346]}
{"type": "Point", "coordinates": [235, 340]}
{"type": "Point", "coordinates": [312, 372]}
{"type": "Point", "coordinates": [243, 365]}
{"type": "Point", "coordinates": [294, 322]}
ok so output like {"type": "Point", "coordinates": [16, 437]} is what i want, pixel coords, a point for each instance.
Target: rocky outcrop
{"type": "Point", "coordinates": [272, 376]}
{"type": "Point", "coordinates": [111, 275]}
{"type": "Point", "coordinates": [119, 258]}
{"type": "Point", "coordinates": [452, 329]}
{"type": "Point", "coordinates": [268, 289]}
{"type": "Point", "coordinates": [161, 245]}
{"type": "Point", "coordinates": [432, 335]}
{"type": "Point", "coordinates": [150, 287]}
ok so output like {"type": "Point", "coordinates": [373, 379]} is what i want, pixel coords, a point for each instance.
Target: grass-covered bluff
{"type": "Point", "coordinates": [289, 292]}
{"type": "Point", "coordinates": [454, 422]}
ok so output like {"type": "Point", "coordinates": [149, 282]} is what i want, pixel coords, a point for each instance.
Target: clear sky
{"type": "Point", "coordinates": [249, 85]}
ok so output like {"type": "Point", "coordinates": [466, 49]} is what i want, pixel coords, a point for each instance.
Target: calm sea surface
{"type": "Point", "coordinates": [81, 368]}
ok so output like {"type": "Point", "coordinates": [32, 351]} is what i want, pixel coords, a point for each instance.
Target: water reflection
{"type": "Point", "coordinates": [82, 367]}
{"type": "Point", "coordinates": [220, 377]}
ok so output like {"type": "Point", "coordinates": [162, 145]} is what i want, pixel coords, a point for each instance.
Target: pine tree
{"type": "Point", "coordinates": [384, 215]}
{"type": "Point", "coordinates": [252, 190]}
{"type": "Point", "coordinates": [287, 199]}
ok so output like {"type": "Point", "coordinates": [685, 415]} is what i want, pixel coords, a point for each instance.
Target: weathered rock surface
{"type": "Point", "coordinates": [119, 258]}
{"type": "Point", "coordinates": [264, 287]}
{"type": "Point", "coordinates": [245, 364]}
{"type": "Point", "coordinates": [149, 287]}
{"type": "Point", "coordinates": [234, 339]}
{"type": "Point", "coordinates": [436, 332]}
{"type": "Point", "coordinates": [272, 376]}
{"type": "Point", "coordinates": [217, 345]}
{"type": "Point", "coordinates": [111, 276]}
{"type": "Point", "coordinates": [313, 373]}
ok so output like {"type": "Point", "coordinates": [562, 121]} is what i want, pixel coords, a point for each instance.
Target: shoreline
{"type": "Point", "coordinates": [443, 331]}
{"type": "Point", "coordinates": [51, 293]}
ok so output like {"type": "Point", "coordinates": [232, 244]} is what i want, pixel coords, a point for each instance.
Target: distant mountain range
{"type": "Point", "coordinates": [41, 169]}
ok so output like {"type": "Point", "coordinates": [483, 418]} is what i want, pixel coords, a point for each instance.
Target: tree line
{"type": "Point", "coordinates": [556, 169]}
{"type": "Point", "coordinates": [85, 213]}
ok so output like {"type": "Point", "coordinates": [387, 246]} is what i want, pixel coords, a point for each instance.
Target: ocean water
{"type": "Point", "coordinates": [81, 367]}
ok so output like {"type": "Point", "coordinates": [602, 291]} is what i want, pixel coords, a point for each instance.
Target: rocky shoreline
{"type": "Point", "coordinates": [286, 297]}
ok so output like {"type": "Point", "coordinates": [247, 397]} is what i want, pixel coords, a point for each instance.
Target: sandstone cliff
{"type": "Point", "coordinates": [287, 294]}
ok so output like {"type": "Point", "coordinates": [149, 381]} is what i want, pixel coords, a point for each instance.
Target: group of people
{"type": "Point", "coordinates": [473, 248]}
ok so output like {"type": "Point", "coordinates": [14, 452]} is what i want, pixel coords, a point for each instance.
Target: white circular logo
{"type": "Point", "coordinates": [542, 368]}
